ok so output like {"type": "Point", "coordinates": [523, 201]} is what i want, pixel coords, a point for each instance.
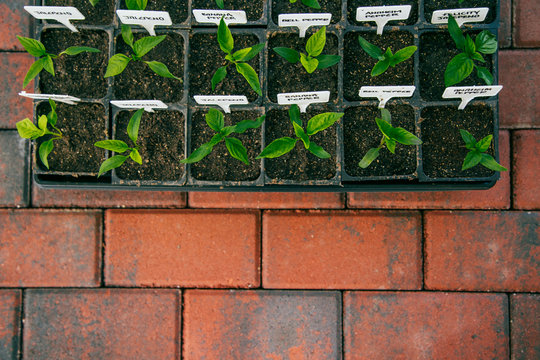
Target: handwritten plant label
{"type": "Point", "coordinates": [146, 19]}
{"type": "Point", "coordinates": [223, 101]}
{"type": "Point", "coordinates": [66, 99]}
{"type": "Point", "coordinates": [468, 93]}
{"type": "Point", "coordinates": [214, 16]}
{"type": "Point", "coordinates": [383, 14]}
{"type": "Point", "coordinates": [303, 99]}
{"type": "Point", "coordinates": [147, 105]}
{"type": "Point", "coordinates": [385, 93]}
{"type": "Point", "coordinates": [462, 16]}
{"type": "Point", "coordinates": [62, 14]}
{"type": "Point", "coordinates": [304, 21]}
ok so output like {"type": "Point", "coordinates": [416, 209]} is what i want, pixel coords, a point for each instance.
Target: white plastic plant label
{"type": "Point", "coordinates": [383, 14]}
{"type": "Point", "coordinates": [146, 19]}
{"type": "Point", "coordinates": [66, 99]}
{"type": "Point", "coordinates": [62, 14]}
{"type": "Point", "coordinates": [214, 16]}
{"type": "Point", "coordinates": [468, 93]}
{"type": "Point", "coordinates": [223, 101]}
{"type": "Point", "coordinates": [462, 16]}
{"type": "Point", "coordinates": [303, 99]}
{"type": "Point", "coordinates": [385, 93]}
{"type": "Point", "coordinates": [147, 105]}
{"type": "Point", "coordinates": [304, 21]}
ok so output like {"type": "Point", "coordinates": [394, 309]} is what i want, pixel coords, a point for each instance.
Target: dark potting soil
{"type": "Point", "coordinates": [254, 8]}
{"type": "Point", "coordinates": [432, 5]}
{"type": "Point", "coordinates": [360, 133]}
{"type": "Point", "coordinates": [81, 125]}
{"type": "Point", "coordinates": [206, 57]}
{"type": "Point", "coordinates": [357, 64]}
{"type": "Point", "coordinates": [161, 145]}
{"type": "Point", "coordinates": [284, 77]}
{"type": "Point", "coordinates": [327, 6]}
{"type": "Point", "coordinates": [436, 51]}
{"type": "Point", "coordinates": [443, 149]}
{"type": "Point", "coordinates": [138, 81]}
{"type": "Point", "coordinates": [80, 75]}
{"type": "Point", "coordinates": [354, 4]}
{"type": "Point", "coordinates": [101, 14]}
{"type": "Point", "coordinates": [177, 9]}
{"type": "Point", "coordinates": [300, 164]}
{"type": "Point", "coordinates": [219, 165]}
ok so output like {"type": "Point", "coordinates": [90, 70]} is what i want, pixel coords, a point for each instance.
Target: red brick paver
{"type": "Point", "coordinates": [10, 319]}
{"type": "Point", "coordinates": [13, 21]}
{"type": "Point", "coordinates": [526, 25]}
{"type": "Point", "coordinates": [389, 325]}
{"type": "Point", "coordinates": [14, 172]}
{"type": "Point", "coordinates": [267, 200]}
{"type": "Point", "coordinates": [525, 326]}
{"type": "Point", "coordinates": [526, 168]}
{"type": "Point", "coordinates": [505, 26]}
{"type": "Point", "coordinates": [261, 325]}
{"type": "Point", "coordinates": [12, 106]}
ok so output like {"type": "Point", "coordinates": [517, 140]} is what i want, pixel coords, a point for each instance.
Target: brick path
{"type": "Point", "coordinates": [276, 276]}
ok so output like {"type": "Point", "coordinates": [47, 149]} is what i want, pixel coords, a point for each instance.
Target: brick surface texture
{"type": "Point", "coordinates": [526, 169]}
{"type": "Point", "coordinates": [10, 319]}
{"type": "Point", "coordinates": [14, 172]}
{"type": "Point", "coordinates": [12, 106]}
{"type": "Point", "coordinates": [525, 329]}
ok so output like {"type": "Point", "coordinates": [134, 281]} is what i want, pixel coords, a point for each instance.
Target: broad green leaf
{"type": "Point", "coordinates": [316, 42]}
{"type": "Point", "coordinates": [42, 123]}
{"type": "Point", "coordinates": [248, 53]}
{"type": "Point", "coordinates": [76, 50]}
{"type": "Point", "coordinates": [404, 137]}
{"type": "Point", "coordinates": [216, 139]}
{"type": "Point", "coordinates": [370, 156]}
{"type": "Point", "coordinates": [402, 55]}
{"type": "Point", "coordinates": [467, 137]}
{"type": "Point", "coordinates": [112, 163]}
{"type": "Point", "coordinates": [385, 127]}
{"type": "Point", "coordinates": [278, 148]}
{"type": "Point", "coordinates": [136, 4]}
{"type": "Point", "coordinates": [489, 162]}
{"type": "Point", "coordinates": [318, 151]}
{"type": "Point", "coordinates": [215, 120]}
{"type": "Point", "coordinates": [322, 121]}
{"type": "Point", "coordinates": [218, 77]}
{"type": "Point", "coordinates": [294, 114]}
{"type": "Point", "coordinates": [48, 65]}
{"type": "Point", "coordinates": [386, 116]}
{"type": "Point", "coordinates": [144, 45]}
{"type": "Point", "coordinates": [391, 145]}
{"type": "Point", "coordinates": [478, 57]}
{"type": "Point", "coordinates": [301, 134]}
{"type": "Point", "coordinates": [372, 50]}
{"type": "Point", "coordinates": [44, 150]}
{"type": "Point", "coordinates": [311, 3]}
{"type": "Point", "coordinates": [459, 68]}
{"type": "Point", "coordinates": [470, 48]}
{"type": "Point", "coordinates": [290, 55]}
{"type": "Point", "coordinates": [244, 125]}
{"type": "Point", "coordinates": [136, 156]}
{"type": "Point", "coordinates": [484, 74]}
{"type": "Point", "coordinates": [198, 154]}
{"type": "Point", "coordinates": [228, 130]}
{"type": "Point", "coordinates": [484, 144]}
{"type": "Point", "coordinates": [34, 47]}
{"type": "Point", "coordinates": [93, 2]}
{"type": "Point", "coordinates": [127, 35]}
{"type": "Point", "coordinates": [134, 124]}
{"type": "Point", "coordinates": [486, 42]}
{"type": "Point", "coordinates": [326, 61]}
{"type": "Point", "coordinates": [472, 159]}
{"type": "Point", "coordinates": [456, 33]}
{"type": "Point", "coordinates": [380, 67]}
{"type": "Point", "coordinates": [237, 149]}
{"type": "Point", "coordinates": [309, 64]}
{"type": "Point", "coordinates": [225, 39]}
{"type": "Point", "coordinates": [117, 146]}
{"type": "Point", "coordinates": [161, 69]}
{"type": "Point", "coordinates": [117, 64]}
{"type": "Point", "coordinates": [34, 70]}
{"type": "Point", "coordinates": [250, 75]}
{"type": "Point", "coordinates": [220, 4]}
{"type": "Point", "coordinates": [27, 129]}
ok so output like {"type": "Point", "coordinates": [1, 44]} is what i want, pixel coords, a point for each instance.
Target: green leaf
{"type": "Point", "coordinates": [117, 64]}
{"type": "Point", "coordinates": [224, 36]}
{"type": "Point", "coordinates": [216, 139]}
{"type": "Point", "coordinates": [144, 45]}
{"type": "Point", "coordinates": [322, 121]}
{"type": "Point", "coordinates": [27, 129]}
{"type": "Point", "coordinates": [456, 33]}
{"type": "Point", "coordinates": [484, 144]}
{"type": "Point", "coordinates": [385, 127]}
{"type": "Point", "coordinates": [244, 125]}
{"type": "Point", "coordinates": [237, 149]}
{"type": "Point", "coordinates": [278, 148]}
{"type": "Point", "coordinates": [467, 137]}
{"type": "Point", "coordinates": [161, 69]}
{"type": "Point", "coordinates": [76, 50]}
{"type": "Point", "coordinates": [34, 47]}
{"type": "Point", "coordinates": [220, 4]}
{"type": "Point", "coordinates": [300, 133]}
{"type": "Point", "coordinates": [484, 74]}
{"type": "Point", "coordinates": [311, 3]}
{"type": "Point", "coordinates": [459, 68]}
{"type": "Point", "coordinates": [294, 114]}
{"type": "Point", "coordinates": [48, 65]}
{"type": "Point", "coordinates": [470, 48]}
{"type": "Point", "coordinates": [370, 156]}
{"type": "Point", "coordinates": [404, 137]}
{"type": "Point", "coordinates": [391, 145]}
{"type": "Point", "coordinates": [472, 159]}
{"type": "Point", "coordinates": [136, 4]}
{"type": "Point", "coordinates": [486, 42]}
{"type": "Point", "coordinates": [133, 125]}
{"type": "Point", "coordinates": [34, 70]}
{"type": "Point", "coordinates": [136, 156]}
{"type": "Point", "coordinates": [93, 2]}
{"type": "Point", "coordinates": [117, 146]}
{"type": "Point", "coordinates": [316, 42]}
{"type": "Point", "coordinates": [386, 116]}
{"type": "Point", "coordinates": [372, 50]}
{"type": "Point", "coordinates": [318, 151]}
{"type": "Point", "coordinates": [198, 154]}
{"type": "Point", "coordinates": [250, 75]}
{"type": "Point", "coordinates": [402, 55]}
{"type": "Point", "coordinates": [228, 130]}
{"type": "Point", "coordinates": [44, 150]}
{"type": "Point", "coordinates": [248, 53]}
{"type": "Point", "coordinates": [290, 55]}
{"type": "Point", "coordinates": [218, 77]}
{"type": "Point", "coordinates": [52, 116]}
{"type": "Point", "coordinates": [127, 35]}
{"type": "Point", "coordinates": [215, 120]}
{"type": "Point", "coordinates": [326, 61]}
{"type": "Point", "coordinates": [112, 163]}
{"type": "Point", "coordinates": [42, 123]}
{"type": "Point", "coordinates": [478, 57]}
{"type": "Point", "coordinates": [380, 67]}
{"type": "Point", "coordinates": [489, 162]}
{"type": "Point", "coordinates": [309, 64]}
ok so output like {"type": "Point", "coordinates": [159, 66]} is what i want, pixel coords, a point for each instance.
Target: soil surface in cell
{"type": "Point", "coordinates": [254, 8]}
{"type": "Point", "coordinates": [443, 148]}
{"type": "Point", "coordinates": [161, 145]}
{"type": "Point", "coordinates": [327, 6]}
{"type": "Point", "coordinates": [354, 4]}
{"type": "Point", "coordinates": [219, 165]}
{"type": "Point", "coordinates": [432, 5]}
{"type": "Point", "coordinates": [177, 9]}
{"type": "Point", "coordinates": [101, 14]}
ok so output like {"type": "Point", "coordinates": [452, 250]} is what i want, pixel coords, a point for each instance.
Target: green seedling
{"type": "Point", "coordinates": [141, 47]}
{"type": "Point", "coordinates": [238, 58]}
{"type": "Point", "coordinates": [28, 130]}
{"type": "Point", "coordinates": [386, 59]}
{"type": "Point", "coordinates": [136, 4]}
{"type": "Point", "coordinates": [313, 60]}
{"type": "Point", "coordinates": [220, 4]}
{"type": "Point", "coordinates": [477, 153]}
{"type": "Point", "coordinates": [285, 144]}
{"type": "Point", "coordinates": [93, 2]}
{"type": "Point", "coordinates": [120, 147]}
{"type": "Point", "coordinates": [45, 59]}
{"type": "Point", "coordinates": [311, 3]}
{"type": "Point", "coordinates": [391, 136]}
{"type": "Point", "coordinates": [462, 65]}
{"type": "Point", "coordinates": [215, 121]}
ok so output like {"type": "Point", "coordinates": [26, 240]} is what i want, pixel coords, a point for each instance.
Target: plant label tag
{"type": "Point", "coordinates": [223, 101]}
{"type": "Point", "coordinates": [146, 19]}
{"type": "Point", "coordinates": [147, 105]}
{"type": "Point", "coordinates": [304, 21]}
{"type": "Point", "coordinates": [303, 99]}
{"type": "Point", "coordinates": [66, 99]}
{"type": "Point", "coordinates": [62, 14]}
{"type": "Point", "coordinates": [214, 16]}
{"type": "Point", "coordinates": [383, 14]}
{"type": "Point", "coordinates": [462, 16]}
{"type": "Point", "coordinates": [385, 93]}
{"type": "Point", "coordinates": [468, 93]}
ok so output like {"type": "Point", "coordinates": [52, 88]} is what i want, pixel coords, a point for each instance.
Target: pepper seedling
{"type": "Point", "coordinates": [316, 124]}
{"type": "Point", "coordinates": [391, 136]}
{"type": "Point", "coordinates": [45, 59]}
{"type": "Point", "coordinates": [313, 59]}
{"type": "Point", "coordinates": [93, 2]}
{"type": "Point", "coordinates": [477, 153]}
{"type": "Point", "coordinates": [27, 130]}
{"type": "Point", "coordinates": [215, 120]}
{"type": "Point", "coordinates": [120, 147]}
{"type": "Point", "coordinates": [220, 4]}
{"type": "Point", "coordinates": [462, 65]}
{"type": "Point", "coordinates": [311, 3]}
{"type": "Point", "coordinates": [386, 59]}
{"type": "Point", "coordinates": [136, 4]}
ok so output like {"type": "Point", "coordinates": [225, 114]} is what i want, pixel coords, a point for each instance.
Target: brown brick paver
{"type": "Point", "coordinates": [10, 319]}
{"type": "Point", "coordinates": [12, 106]}
{"type": "Point", "coordinates": [525, 326]}
{"type": "Point", "coordinates": [526, 25]}
{"type": "Point", "coordinates": [526, 168]}
{"type": "Point", "coordinates": [14, 170]}
{"type": "Point", "coordinates": [13, 21]}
